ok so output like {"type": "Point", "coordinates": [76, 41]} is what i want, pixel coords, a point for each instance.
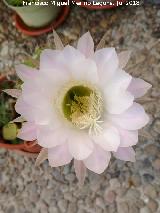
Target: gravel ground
{"type": "Point", "coordinates": [123, 187]}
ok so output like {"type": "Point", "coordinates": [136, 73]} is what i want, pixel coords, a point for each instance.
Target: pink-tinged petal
{"type": "Point", "coordinates": [39, 96]}
{"type": "Point", "coordinates": [102, 42]}
{"type": "Point", "coordinates": [19, 119]}
{"type": "Point", "coordinates": [35, 96]}
{"type": "Point", "coordinates": [42, 84]}
{"type": "Point", "coordinates": [52, 64]}
{"type": "Point", "coordinates": [58, 69]}
{"type": "Point", "coordinates": [39, 115]}
{"type": "Point", "coordinates": [42, 116]}
{"type": "Point", "coordinates": [132, 119]}
{"type": "Point", "coordinates": [25, 72]}
{"type": "Point", "coordinates": [124, 58]}
{"type": "Point", "coordinates": [15, 93]}
{"type": "Point", "coordinates": [98, 161]}
{"type": "Point", "coordinates": [62, 76]}
{"type": "Point", "coordinates": [117, 98]}
{"type": "Point", "coordinates": [72, 55]}
{"type": "Point", "coordinates": [43, 155]}
{"type": "Point", "coordinates": [119, 103]}
{"type": "Point", "coordinates": [35, 99]}
{"type": "Point", "coordinates": [53, 61]}
{"type": "Point", "coordinates": [69, 54]}
{"type": "Point", "coordinates": [138, 87]}
{"type": "Point", "coordinates": [80, 171]}
{"type": "Point", "coordinates": [107, 64]}
{"type": "Point", "coordinates": [109, 139]}
{"type": "Point", "coordinates": [59, 156]}
{"type": "Point", "coordinates": [119, 81]}
{"type": "Point", "coordinates": [49, 137]}
{"type": "Point", "coordinates": [128, 137]}
{"type": "Point", "coordinates": [24, 109]}
{"type": "Point", "coordinates": [58, 43]}
{"type": "Point", "coordinates": [80, 145]}
{"type": "Point", "coordinates": [86, 45]}
{"type": "Point", "coordinates": [126, 154]}
{"type": "Point", "coordinates": [28, 131]}
{"type": "Point", "coordinates": [85, 70]}
{"type": "Point", "coordinates": [48, 59]}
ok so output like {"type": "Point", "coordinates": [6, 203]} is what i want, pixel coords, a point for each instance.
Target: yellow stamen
{"type": "Point", "coordinates": [82, 106]}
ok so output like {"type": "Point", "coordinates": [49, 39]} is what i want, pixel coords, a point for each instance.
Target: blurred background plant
{"type": "Point", "coordinates": [19, 2]}
{"type": "Point", "coordinates": [6, 112]}
{"type": "Point", "coordinates": [8, 131]}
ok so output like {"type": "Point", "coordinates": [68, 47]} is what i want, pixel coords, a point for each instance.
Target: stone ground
{"type": "Point", "coordinates": [123, 187]}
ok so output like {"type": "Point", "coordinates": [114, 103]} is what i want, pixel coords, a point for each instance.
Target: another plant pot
{"type": "Point", "coordinates": [90, 6]}
{"type": "Point", "coordinates": [36, 16]}
{"type": "Point", "coordinates": [26, 146]}
{"type": "Point", "coordinates": [21, 26]}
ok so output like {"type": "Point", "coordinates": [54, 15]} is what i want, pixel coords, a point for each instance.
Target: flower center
{"type": "Point", "coordinates": [82, 106]}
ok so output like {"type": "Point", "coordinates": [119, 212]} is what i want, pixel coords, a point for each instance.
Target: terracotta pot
{"type": "Point", "coordinates": [21, 26]}
{"type": "Point", "coordinates": [26, 146]}
{"type": "Point", "coordinates": [36, 15]}
{"type": "Point", "coordinates": [98, 7]}
{"type": "Point", "coordinates": [2, 78]}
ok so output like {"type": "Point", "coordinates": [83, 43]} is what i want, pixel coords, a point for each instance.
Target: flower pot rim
{"type": "Point", "coordinates": [2, 77]}
{"type": "Point", "coordinates": [10, 146]}
{"type": "Point", "coordinates": [38, 31]}
{"type": "Point", "coordinates": [26, 146]}
{"type": "Point", "coordinates": [95, 7]}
